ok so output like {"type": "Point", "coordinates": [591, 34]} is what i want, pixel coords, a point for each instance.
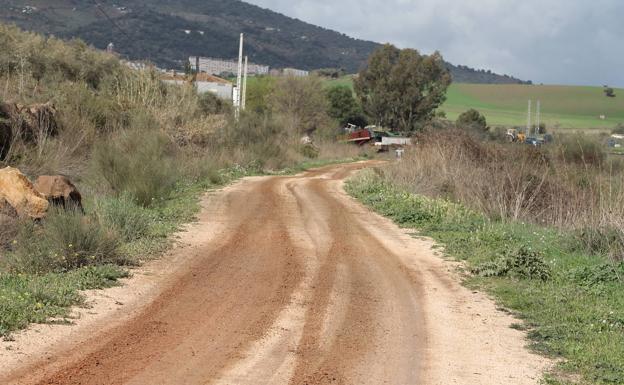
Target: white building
{"type": "Point", "coordinates": [218, 66]}
{"type": "Point", "coordinates": [204, 83]}
{"type": "Point", "coordinates": [295, 72]}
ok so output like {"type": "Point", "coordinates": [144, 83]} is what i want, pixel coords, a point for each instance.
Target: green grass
{"type": "Point", "coordinates": [573, 308]}
{"type": "Point", "coordinates": [561, 106]}
{"type": "Point", "coordinates": [26, 298]}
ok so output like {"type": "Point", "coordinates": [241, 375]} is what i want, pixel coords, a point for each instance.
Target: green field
{"type": "Point", "coordinates": [562, 106]}
{"type": "Point", "coordinates": [506, 104]}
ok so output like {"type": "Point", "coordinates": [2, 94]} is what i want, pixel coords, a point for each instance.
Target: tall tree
{"type": "Point", "coordinates": [300, 103]}
{"type": "Point", "coordinates": [400, 89]}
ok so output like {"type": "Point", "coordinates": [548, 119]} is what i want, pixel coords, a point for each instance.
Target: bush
{"type": "Point", "coordinates": [210, 104]}
{"type": "Point", "coordinates": [259, 137]}
{"type": "Point", "coordinates": [602, 240]}
{"type": "Point", "coordinates": [128, 219]}
{"type": "Point", "coordinates": [599, 274]}
{"type": "Point", "coordinates": [582, 149]}
{"type": "Point", "coordinates": [522, 263]}
{"type": "Point", "coordinates": [138, 163]}
{"type": "Point", "coordinates": [309, 151]}
{"type": "Point", "coordinates": [619, 129]}
{"type": "Point", "coordinates": [64, 241]}
{"type": "Point", "coordinates": [472, 119]}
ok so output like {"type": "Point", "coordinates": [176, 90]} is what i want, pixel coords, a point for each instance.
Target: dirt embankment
{"type": "Point", "coordinates": [286, 280]}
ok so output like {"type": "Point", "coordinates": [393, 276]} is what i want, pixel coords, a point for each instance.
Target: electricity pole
{"type": "Point", "coordinates": [244, 97]}
{"type": "Point", "coordinates": [537, 129]}
{"type": "Point", "coordinates": [237, 94]}
{"type": "Point", "coordinates": [529, 119]}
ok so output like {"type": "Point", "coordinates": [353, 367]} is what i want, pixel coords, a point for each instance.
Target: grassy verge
{"type": "Point", "coordinates": [571, 302]}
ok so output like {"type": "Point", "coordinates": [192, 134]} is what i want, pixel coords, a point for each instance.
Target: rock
{"type": "Point", "coordinates": [59, 191]}
{"type": "Point", "coordinates": [21, 195]}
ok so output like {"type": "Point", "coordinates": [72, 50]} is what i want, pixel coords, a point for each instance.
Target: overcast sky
{"type": "Point", "coordinates": [547, 41]}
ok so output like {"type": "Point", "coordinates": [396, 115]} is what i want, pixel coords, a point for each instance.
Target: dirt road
{"type": "Point", "coordinates": [289, 281]}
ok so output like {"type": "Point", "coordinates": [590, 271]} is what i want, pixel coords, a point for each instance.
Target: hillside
{"type": "Point", "coordinates": [562, 106]}
{"type": "Point", "coordinates": [167, 32]}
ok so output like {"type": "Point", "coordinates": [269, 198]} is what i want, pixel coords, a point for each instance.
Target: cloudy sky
{"type": "Point", "coordinates": [547, 41]}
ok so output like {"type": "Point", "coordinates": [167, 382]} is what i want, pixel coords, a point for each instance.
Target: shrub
{"type": "Point", "coordinates": [599, 274]}
{"type": "Point", "coordinates": [472, 119]}
{"type": "Point", "coordinates": [300, 104]}
{"type": "Point", "coordinates": [210, 104]}
{"type": "Point", "coordinates": [64, 241]}
{"type": "Point", "coordinates": [138, 163]}
{"type": "Point", "coordinates": [603, 240]}
{"type": "Point", "coordinates": [260, 138]}
{"type": "Point", "coordinates": [309, 151]}
{"type": "Point", "coordinates": [582, 149]}
{"type": "Point", "coordinates": [619, 129]}
{"type": "Point", "coordinates": [522, 263]}
{"type": "Point", "coordinates": [125, 216]}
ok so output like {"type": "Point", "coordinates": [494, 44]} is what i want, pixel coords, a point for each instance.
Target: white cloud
{"type": "Point", "coordinates": [550, 41]}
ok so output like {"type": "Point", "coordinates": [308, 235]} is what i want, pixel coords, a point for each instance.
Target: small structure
{"type": "Point", "coordinates": [295, 72]}
{"type": "Point", "coordinates": [214, 66]}
{"type": "Point", "coordinates": [204, 83]}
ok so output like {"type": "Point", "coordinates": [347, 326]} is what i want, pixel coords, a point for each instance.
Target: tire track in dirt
{"type": "Point", "coordinates": [305, 286]}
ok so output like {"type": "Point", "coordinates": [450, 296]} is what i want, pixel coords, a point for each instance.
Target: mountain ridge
{"type": "Point", "coordinates": [167, 33]}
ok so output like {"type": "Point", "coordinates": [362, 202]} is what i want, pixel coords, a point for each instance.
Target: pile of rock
{"type": "Point", "coordinates": [19, 197]}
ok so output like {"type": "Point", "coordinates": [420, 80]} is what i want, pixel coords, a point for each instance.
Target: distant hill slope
{"type": "Point", "coordinates": [166, 32]}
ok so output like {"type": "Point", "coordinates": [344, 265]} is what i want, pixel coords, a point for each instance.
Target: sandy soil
{"type": "Point", "coordinates": [283, 280]}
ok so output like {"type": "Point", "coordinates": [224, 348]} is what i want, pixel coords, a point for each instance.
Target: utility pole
{"type": "Point", "coordinates": [537, 129]}
{"type": "Point", "coordinates": [237, 95]}
{"type": "Point", "coordinates": [244, 97]}
{"type": "Point", "coordinates": [529, 119]}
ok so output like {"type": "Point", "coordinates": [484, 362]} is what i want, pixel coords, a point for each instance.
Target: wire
{"type": "Point", "coordinates": [97, 5]}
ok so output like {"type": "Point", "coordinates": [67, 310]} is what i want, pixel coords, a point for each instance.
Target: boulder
{"type": "Point", "coordinates": [59, 191]}
{"type": "Point", "coordinates": [21, 195]}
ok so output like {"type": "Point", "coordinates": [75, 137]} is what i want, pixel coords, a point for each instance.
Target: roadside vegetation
{"type": "Point", "coordinates": [140, 152]}
{"type": "Point", "coordinates": [539, 228]}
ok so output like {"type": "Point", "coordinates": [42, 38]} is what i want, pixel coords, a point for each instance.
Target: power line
{"type": "Point", "coordinates": [110, 19]}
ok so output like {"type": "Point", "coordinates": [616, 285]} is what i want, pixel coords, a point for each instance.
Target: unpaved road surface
{"type": "Point", "coordinates": [289, 281]}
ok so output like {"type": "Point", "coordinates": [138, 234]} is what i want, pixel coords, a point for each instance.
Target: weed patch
{"type": "Point", "coordinates": [28, 298]}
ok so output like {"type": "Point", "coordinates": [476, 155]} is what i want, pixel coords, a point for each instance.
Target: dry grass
{"type": "Point", "coordinates": [570, 185]}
